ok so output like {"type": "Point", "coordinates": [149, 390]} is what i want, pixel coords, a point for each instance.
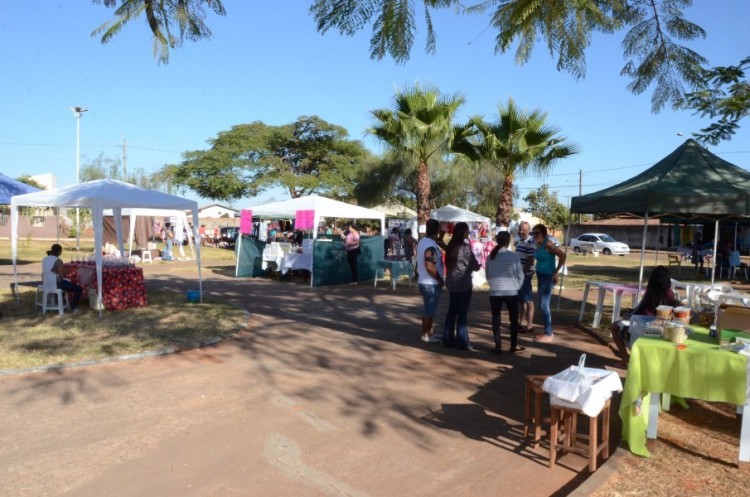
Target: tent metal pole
{"type": "Point", "coordinates": [643, 252]}
{"type": "Point", "coordinates": [567, 245]}
{"type": "Point", "coordinates": [658, 236]}
{"type": "Point", "coordinates": [237, 259]}
{"type": "Point", "coordinates": [715, 255]}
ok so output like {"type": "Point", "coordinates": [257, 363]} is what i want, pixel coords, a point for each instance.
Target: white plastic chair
{"type": "Point", "coordinates": [146, 256]}
{"type": "Point", "coordinates": [49, 297]}
{"type": "Point", "coordinates": [733, 264]}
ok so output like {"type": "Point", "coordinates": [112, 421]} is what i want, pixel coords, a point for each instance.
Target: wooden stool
{"type": "Point", "coordinates": [569, 441]}
{"type": "Point", "coordinates": [533, 400]}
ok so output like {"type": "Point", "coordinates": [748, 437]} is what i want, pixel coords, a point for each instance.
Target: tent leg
{"type": "Point", "coordinates": [643, 252]}
{"type": "Point", "coordinates": [713, 259]}
{"type": "Point", "coordinates": [567, 244]}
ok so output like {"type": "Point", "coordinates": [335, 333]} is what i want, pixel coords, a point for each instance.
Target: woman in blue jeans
{"type": "Point", "coordinates": [549, 260]}
{"type": "Point", "coordinates": [460, 264]}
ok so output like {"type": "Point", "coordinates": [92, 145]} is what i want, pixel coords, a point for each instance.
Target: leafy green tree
{"type": "Point", "coordinates": [31, 181]}
{"type": "Point", "coordinates": [545, 205]}
{"type": "Point", "coordinates": [655, 28]}
{"type": "Point", "coordinates": [170, 21]}
{"type": "Point", "coordinates": [304, 157]}
{"type": "Point", "coordinates": [419, 127]}
{"type": "Point", "coordinates": [103, 167]}
{"type": "Point", "coordinates": [517, 144]}
{"type": "Point", "coordinates": [724, 93]}
{"type": "Point", "coordinates": [654, 58]}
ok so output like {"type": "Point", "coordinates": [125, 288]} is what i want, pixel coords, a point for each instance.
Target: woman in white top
{"type": "Point", "coordinates": [53, 267]}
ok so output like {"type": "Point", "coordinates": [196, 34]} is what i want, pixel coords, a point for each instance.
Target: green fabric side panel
{"type": "Point", "coordinates": [249, 254]}
{"type": "Point", "coordinates": [331, 268]}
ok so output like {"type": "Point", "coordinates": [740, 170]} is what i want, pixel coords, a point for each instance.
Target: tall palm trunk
{"type": "Point", "coordinates": [505, 203]}
{"type": "Point", "coordinates": [423, 194]}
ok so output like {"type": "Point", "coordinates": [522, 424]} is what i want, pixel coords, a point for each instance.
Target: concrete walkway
{"type": "Point", "coordinates": [328, 392]}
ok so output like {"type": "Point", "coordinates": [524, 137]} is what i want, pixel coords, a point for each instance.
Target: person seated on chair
{"type": "Point", "coordinates": [52, 263]}
{"type": "Point", "coordinates": [658, 292]}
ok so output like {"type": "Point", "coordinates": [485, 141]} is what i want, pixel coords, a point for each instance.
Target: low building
{"type": "Point", "coordinates": [217, 211]}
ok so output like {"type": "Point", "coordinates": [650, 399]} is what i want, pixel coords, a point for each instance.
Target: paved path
{"type": "Point", "coordinates": [327, 393]}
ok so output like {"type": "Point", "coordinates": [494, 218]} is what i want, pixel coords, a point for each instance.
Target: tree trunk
{"type": "Point", "coordinates": [505, 203]}
{"type": "Point", "coordinates": [423, 194]}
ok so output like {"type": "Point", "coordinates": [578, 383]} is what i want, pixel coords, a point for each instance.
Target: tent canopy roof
{"type": "Point", "coordinates": [323, 207]}
{"type": "Point", "coordinates": [453, 214]}
{"type": "Point", "coordinates": [10, 187]}
{"type": "Point", "coordinates": [689, 182]}
{"type": "Point", "coordinates": [104, 194]}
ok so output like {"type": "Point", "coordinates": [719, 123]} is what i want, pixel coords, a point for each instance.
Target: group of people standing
{"type": "Point", "coordinates": [509, 275]}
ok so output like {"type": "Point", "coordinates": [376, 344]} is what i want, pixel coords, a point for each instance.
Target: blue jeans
{"type": "Point", "coordinates": [168, 250]}
{"type": "Point", "coordinates": [430, 299]}
{"type": "Point", "coordinates": [545, 288]}
{"type": "Point", "coordinates": [455, 331]}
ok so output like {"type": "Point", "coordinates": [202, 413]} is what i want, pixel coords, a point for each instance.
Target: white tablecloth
{"type": "Point", "coordinates": [294, 260]}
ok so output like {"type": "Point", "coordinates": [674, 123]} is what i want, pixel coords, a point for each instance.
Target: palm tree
{"type": "Point", "coordinates": [519, 143]}
{"type": "Point", "coordinates": [419, 127]}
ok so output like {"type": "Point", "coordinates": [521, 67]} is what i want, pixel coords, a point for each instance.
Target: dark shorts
{"type": "Point", "coordinates": [526, 294]}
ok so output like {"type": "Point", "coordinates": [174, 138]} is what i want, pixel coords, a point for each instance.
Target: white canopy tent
{"type": "Point", "coordinates": [181, 224]}
{"type": "Point", "coordinates": [453, 214]}
{"type": "Point", "coordinates": [99, 195]}
{"type": "Point", "coordinates": [323, 207]}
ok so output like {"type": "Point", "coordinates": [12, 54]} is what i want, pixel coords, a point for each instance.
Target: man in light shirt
{"type": "Point", "coordinates": [431, 273]}
{"type": "Point", "coordinates": [526, 248]}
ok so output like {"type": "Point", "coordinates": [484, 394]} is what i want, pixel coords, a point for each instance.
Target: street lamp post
{"type": "Point", "coordinates": [78, 112]}
{"type": "Point", "coordinates": [124, 157]}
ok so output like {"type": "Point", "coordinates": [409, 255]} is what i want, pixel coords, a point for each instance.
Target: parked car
{"type": "Point", "coordinates": [603, 242]}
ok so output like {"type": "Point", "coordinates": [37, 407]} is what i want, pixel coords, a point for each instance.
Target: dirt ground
{"type": "Point", "coordinates": [328, 392]}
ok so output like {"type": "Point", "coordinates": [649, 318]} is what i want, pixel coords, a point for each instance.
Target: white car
{"type": "Point", "coordinates": [603, 242]}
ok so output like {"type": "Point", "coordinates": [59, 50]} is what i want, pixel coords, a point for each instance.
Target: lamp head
{"type": "Point", "coordinates": [78, 111]}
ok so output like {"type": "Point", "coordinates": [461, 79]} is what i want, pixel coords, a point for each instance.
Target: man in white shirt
{"type": "Point", "coordinates": [431, 277]}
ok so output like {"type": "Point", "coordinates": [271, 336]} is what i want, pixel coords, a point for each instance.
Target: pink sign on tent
{"type": "Point", "coordinates": [304, 220]}
{"type": "Point", "coordinates": [246, 221]}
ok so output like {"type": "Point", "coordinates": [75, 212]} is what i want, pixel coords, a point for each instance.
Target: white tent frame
{"type": "Point", "coordinates": [135, 212]}
{"type": "Point", "coordinates": [99, 195]}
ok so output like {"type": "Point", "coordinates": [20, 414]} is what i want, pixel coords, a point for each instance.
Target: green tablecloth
{"type": "Point", "coordinates": [700, 371]}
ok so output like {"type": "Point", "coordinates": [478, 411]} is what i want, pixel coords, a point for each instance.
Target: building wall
{"type": "Point", "coordinates": [216, 212]}
{"type": "Point", "coordinates": [35, 227]}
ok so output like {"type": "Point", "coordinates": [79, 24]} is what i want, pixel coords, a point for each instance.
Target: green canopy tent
{"type": "Point", "coordinates": [690, 183]}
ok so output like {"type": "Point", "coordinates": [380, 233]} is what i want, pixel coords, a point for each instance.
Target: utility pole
{"type": "Point", "coordinates": [124, 157]}
{"type": "Point", "coordinates": [580, 189]}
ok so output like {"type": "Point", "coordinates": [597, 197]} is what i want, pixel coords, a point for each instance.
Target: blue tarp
{"type": "Point", "coordinates": [10, 187]}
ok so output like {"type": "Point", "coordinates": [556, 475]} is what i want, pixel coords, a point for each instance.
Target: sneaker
{"type": "Point", "coordinates": [543, 338]}
{"type": "Point", "coordinates": [75, 311]}
{"type": "Point", "coordinates": [430, 339]}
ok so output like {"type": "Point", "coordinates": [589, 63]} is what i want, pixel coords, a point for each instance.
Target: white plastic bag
{"type": "Point", "coordinates": [582, 388]}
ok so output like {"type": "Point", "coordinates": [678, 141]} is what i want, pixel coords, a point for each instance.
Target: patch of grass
{"type": "Point", "coordinates": [30, 251]}
{"type": "Point", "coordinates": [28, 339]}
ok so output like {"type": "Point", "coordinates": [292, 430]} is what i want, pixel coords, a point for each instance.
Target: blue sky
{"type": "Point", "coordinates": [267, 62]}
